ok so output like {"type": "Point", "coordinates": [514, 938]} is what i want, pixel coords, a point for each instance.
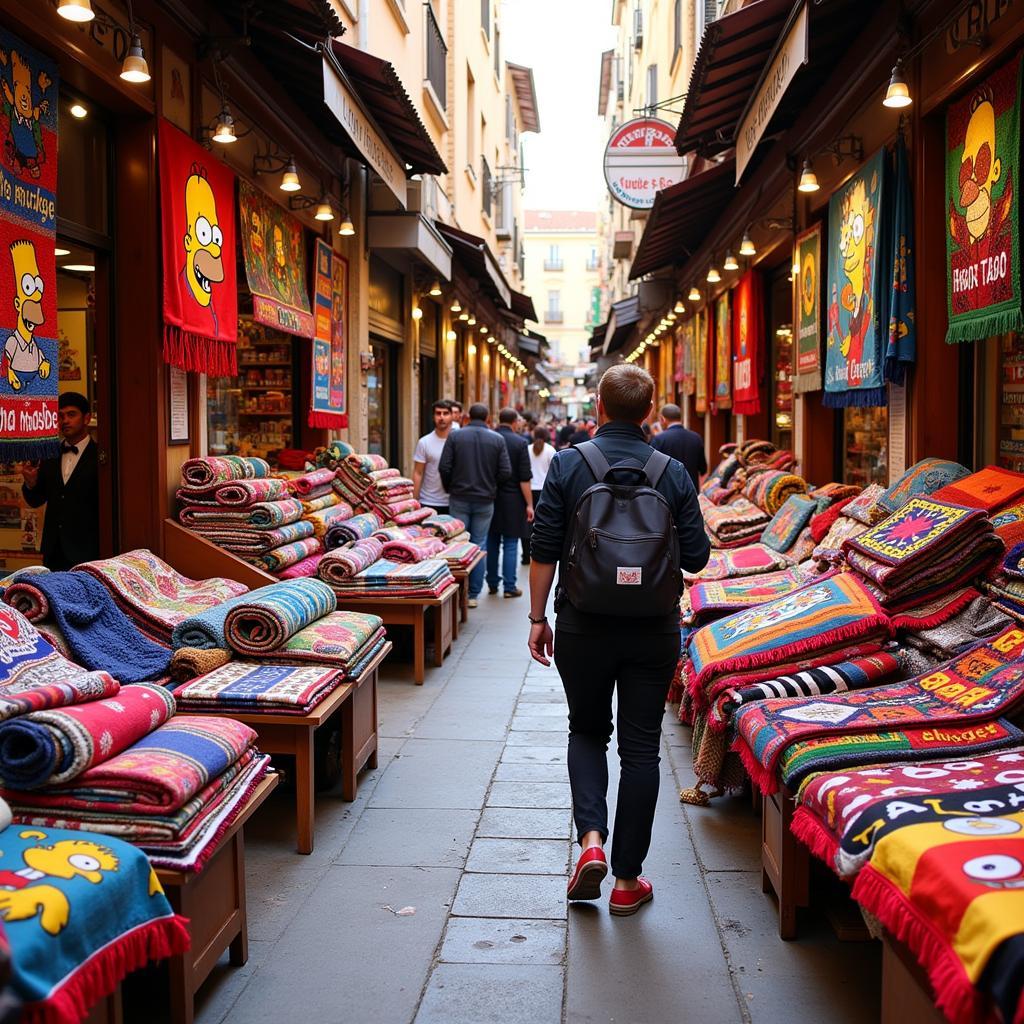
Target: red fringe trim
{"type": "Point", "coordinates": [944, 614]}
{"type": "Point", "coordinates": [100, 975]}
{"type": "Point", "coordinates": [759, 775]}
{"type": "Point", "coordinates": [197, 354]}
{"type": "Point", "coordinates": [813, 834]}
{"type": "Point", "coordinates": [327, 420]}
{"type": "Point", "coordinates": [955, 996]}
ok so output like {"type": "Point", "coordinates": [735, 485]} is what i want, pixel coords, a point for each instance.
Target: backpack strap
{"type": "Point", "coordinates": [594, 458]}
{"type": "Point", "coordinates": [655, 468]}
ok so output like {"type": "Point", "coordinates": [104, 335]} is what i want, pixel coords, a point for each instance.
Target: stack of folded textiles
{"type": "Point", "coordinates": [445, 527]}
{"type": "Point", "coordinates": [459, 553]}
{"type": "Point", "coordinates": [248, 686]}
{"type": "Point", "coordinates": [341, 564]}
{"type": "Point", "coordinates": [923, 551]}
{"type": "Point", "coordinates": [153, 595]}
{"type": "Point", "coordinates": [768, 489]}
{"type": "Point", "coordinates": [204, 473]}
{"type": "Point", "coordinates": [416, 549]}
{"type": "Point", "coordinates": [735, 524]}
{"type": "Point", "coordinates": [427, 579]}
{"type": "Point", "coordinates": [370, 485]}
{"type": "Point", "coordinates": [347, 531]}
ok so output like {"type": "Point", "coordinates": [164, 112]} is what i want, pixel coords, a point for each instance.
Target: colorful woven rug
{"type": "Point", "coordinates": [990, 489]}
{"type": "Point", "coordinates": [444, 526]}
{"type": "Point", "coordinates": [830, 551]}
{"type": "Point", "coordinates": [343, 563]}
{"type": "Point", "coordinates": [415, 550]}
{"type": "Point", "coordinates": [189, 662]}
{"type": "Point", "coordinates": [813, 619]}
{"type": "Point", "coordinates": [715, 598]}
{"type": "Point", "coordinates": [267, 617]}
{"type": "Point", "coordinates": [328, 500]}
{"type": "Point", "coordinates": [736, 522]}
{"type": "Point", "coordinates": [247, 541]}
{"type": "Point", "coordinates": [975, 687]}
{"type": "Point", "coordinates": [303, 485]}
{"type": "Point", "coordinates": [246, 686]}
{"type": "Point", "coordinates": [865, 508]}
{"type": "Point", "coordinates": [264, 515]}
{"type": "Point", "coordinates": [953, 891]}
{"type": "Point", "coordinates": [785, 526]}
{"type": "Point", "coordinates": [81, 913]}
{"type": "Point", "coordinates": [749, 560]}
{"type": "Point", "coordinates": [1009, 524]}
{"type": "Point", "coordinates": [288, 554]}
{"type": "Point", "coordinates": [47, 747]}
{"type": "Point", "coordinates": [335, 640]}
{"type": "Point", "coordinates": [357, 528]}
{"type": "Point", "coordinates": [207, 472]}
{"type": "Point", "coordinates": [407, 518]}
{"type": "Point", "coordinates": [770, 488]}
{"type": "Point", "coordinates": [922, 479]}
{"type": "Point", "coordinates": [243, 493]}
{"type": "Point", "coordinates": [978, 621]}
{"type": "Point", "coordinates": [305, 569]}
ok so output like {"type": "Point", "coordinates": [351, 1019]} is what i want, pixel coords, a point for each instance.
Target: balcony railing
{"type": "Point", "coordinates": [437, 59]}
{"type": "Point", "coordinates": [553, 316]}
{"type": "Point", "coordinates": [551, 265]}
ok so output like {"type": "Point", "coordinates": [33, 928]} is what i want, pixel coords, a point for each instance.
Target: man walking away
{"type": "Point", "coordinates": [620, 629]}
{"type": "Point", "coordinates": [474, 461]}
{"type": "Point", "coordinates": [541, 454]}
{"type": "Point", "coordinates": [682, 444]}
{"type": "Point", "coordinates": [427, 488]}
{"type": "Point", "coordinates": [512, 510]}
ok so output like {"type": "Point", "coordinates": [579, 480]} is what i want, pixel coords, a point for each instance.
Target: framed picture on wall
{"type": "Point", "coordinates": [177, 406]}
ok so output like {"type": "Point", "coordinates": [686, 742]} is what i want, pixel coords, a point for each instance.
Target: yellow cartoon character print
{"type": "Point", "coordinates": [24, 893]}
{"type": "Point", "coordinates": [203, 241]}
{"type": "Point", "coordinates": [23, 358]}
{"type": "Point", "coordinates": [23, 145]}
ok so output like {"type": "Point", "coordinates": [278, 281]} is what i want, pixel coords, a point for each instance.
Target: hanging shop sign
{"type": "Point", "coordinates": [327, 401]}
{"type": "Point", "coordinates": [859, 280]}
{"type": "Point", "coordinates": [790, 56]}
{"type": "Point", "coordinates": [640, 160]}
{"type": "Point", "coordinates": [748, 343]}
{"type": "Point", "coordinates": [723, 354]}
{"type": "Point", "coordinates": [701, 359]}
{"type": "Point", "coordinates": [197, 228]}
{"type": "Point", "coordinates": [28, 228]}
{"type": "Point", "coordinates": [983, 142]}
{"type": "Point", "coordinates": [679, 356]}
{"type": "Point", "coordinates": [807, 260]}
{"type": "Point", "coordinates": [343, 104]}
{"type": "Point", "coordinates": [688, 335]}
{"type": "Point", "coordinates": [275, 263]}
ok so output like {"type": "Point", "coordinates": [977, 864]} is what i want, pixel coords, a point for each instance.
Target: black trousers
{"type": "Point", "coordinates": [528, 531]}
{"type": "Point", "coordinates": [640, 667]}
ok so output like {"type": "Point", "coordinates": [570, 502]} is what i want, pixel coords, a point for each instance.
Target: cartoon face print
{"type": "Point", "coordinates": [204, 266]}
{"type": "Point", "coordinates": [855, 234]}
{"type": "Point", "coordinates": [28, 287]}
{"type": "Point", "coordinates": [980, 168]}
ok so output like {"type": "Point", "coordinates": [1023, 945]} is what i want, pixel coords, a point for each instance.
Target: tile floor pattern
{"type": "Point", "coordinates": [438, 896]}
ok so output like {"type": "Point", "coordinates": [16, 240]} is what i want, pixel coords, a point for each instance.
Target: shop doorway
{"type": "Point", "coordinates": [382, 400]}
{"type": "Point", "coordinates": [780, 366]}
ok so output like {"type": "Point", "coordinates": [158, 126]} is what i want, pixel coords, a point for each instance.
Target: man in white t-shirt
{"type": "Point", "coordinates": [427, 488]}
{"type": "Point", "coordinates": [541, 454]}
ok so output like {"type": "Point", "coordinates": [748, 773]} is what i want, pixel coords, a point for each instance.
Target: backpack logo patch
{"type": "Point", "coordinates": [628, 575]}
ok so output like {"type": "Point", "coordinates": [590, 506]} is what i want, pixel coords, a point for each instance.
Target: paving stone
{"type": "Point", "coordinates": [529, 794]}
{"type": "Point", "coordinates": [487, 940]}
{"type": "Point", "coordinates": [411, 836]}
{"type": "Point", "coordinates": [509, 895]}
{"type": "Point", "coordinates": [438, 773]}
{"type": "Point", "coordinates": [524, 823]}
{"type": "Point", "coordinates": [534, 755]}
{"type": "Point", "coordinates": [536, 738]}
{"type": "Point", "coordinates": [519, 856]}
{"type": "Point", "coordinates": [542, 711]}
{"type": "Point", "coordinates": [541, 723]}
{"type": "Point", "coordinates": [492, 994]}
{"type": "Point", "coordinates": [526, 772]}
{"type": "Point", "coordinates": [530, 698]}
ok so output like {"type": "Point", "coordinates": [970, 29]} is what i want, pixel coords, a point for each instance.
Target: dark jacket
{"type": "Point", "coordinates": [71, 530]}
{"type": "Point", "coordinates": [473, 462]}
{"type": "Point", "coordinates": [510, 506]}
{"type": "Point", "coordinates": [684, 445]}
{"type": "Point", "coordinates": [567, 479]}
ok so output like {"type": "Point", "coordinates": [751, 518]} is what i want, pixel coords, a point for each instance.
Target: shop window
{"type": "Point", "coordinates": [866, 446]}
{"type": "Point", "coordinates": [76, 319]}
{"type": "Point", "coordinates": [84, 163]}
{"type": "Point", "coordinates": [781, 367]}
{"type": "Point", "coordinates": [382, 400]}
{"type": "Point", "coordinates": [999, 425]}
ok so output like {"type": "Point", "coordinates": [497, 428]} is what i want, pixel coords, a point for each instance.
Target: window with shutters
{"type": "Point", "coordinates": [553, 313]}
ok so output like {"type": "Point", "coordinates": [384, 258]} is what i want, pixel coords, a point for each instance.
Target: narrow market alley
{"type": "Point", "coordinates": [439, 895]}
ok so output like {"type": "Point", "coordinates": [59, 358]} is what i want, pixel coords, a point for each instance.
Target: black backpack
{"type": "Point", "coordinates": [622, 551]}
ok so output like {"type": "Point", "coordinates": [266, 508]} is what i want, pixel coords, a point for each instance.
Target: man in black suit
{"type": "Point", "coordinates": [69, 487]}
{"type": "Point", "coordinates": [679, 443]}
{"type": "Point", "coordinates": [513, 509]}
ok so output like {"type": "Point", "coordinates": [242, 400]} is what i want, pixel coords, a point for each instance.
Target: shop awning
{"type": "Point", "coordinates": [522, 306]}
{"type": "Point", "coordinates": [546, 374]}
{"type": "Point", "coordinates": [526, 96]}
{"type": "Point", "coordinates": [682, 216]}
{"type": "Point", "coordinates": [622, 321]}
{"type": "Point", "coordinates": [411, 232]}
{"type": "Point", "coordinates": [731, 57]}
{"type": "Point", "coordinates": [531, 342]}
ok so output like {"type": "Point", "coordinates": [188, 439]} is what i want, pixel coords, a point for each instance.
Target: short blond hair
{"type": "Point", "coordinates": [626, 392]}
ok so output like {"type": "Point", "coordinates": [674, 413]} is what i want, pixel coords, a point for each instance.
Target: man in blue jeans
{"type": "Point", "coordinates": [513, 508]}
{"type": "Point", "coordinates": [473, 463]}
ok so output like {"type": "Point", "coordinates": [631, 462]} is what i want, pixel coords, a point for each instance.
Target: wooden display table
{"type": "Point", "coordinates": [213, 900]}
{"type": "Point", "coordinates": [461, 575]}
{"type": "Point", "coordinates": [907, 994]}
{"type": "Point", "coordinates": [412, 611]}
{"type": "Point", "coordinates": [785, 862]}
{"type": "Point", "coordinates": [281, 733]}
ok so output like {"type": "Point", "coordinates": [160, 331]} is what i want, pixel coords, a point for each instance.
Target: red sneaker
{"type": "Point", "coordinates": [629, 901]}
{"type": "Point", "coordinates": [591, 868]}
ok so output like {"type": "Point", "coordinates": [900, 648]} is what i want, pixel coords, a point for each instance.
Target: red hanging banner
{"type": "Point", "coordinates": [748, 343]}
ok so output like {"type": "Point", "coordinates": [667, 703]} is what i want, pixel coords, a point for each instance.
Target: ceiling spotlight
{"type": "Point", "coordinates": [713, 275]}
{"type": "Point", "coordinates": [134, 68]}
{"type": "Point", "coordinates": [79, 268]}
{"type": "Point", "coordinates": [730, 262]}
{"type": "Point", "coordinates": [224, 128]}
{"type": "Point", "coordinates": [346, 227]}
{"type": "Point", "coordinates": [76, 110]}
{"type": "Point", "coordinates": [451, 336]}
{"type": "Point", "coordinates": [76, 10]}
{"type": "Point", "coordinates": [897, 95]}
{"type": "Point", "coordinates": [290, 179]}
{"type": "Point", "coordinates": [483, 330]}
{"type": "Point", "coordinates": [58, 251]}
{"type": "Point", "coordinates": [747, 247]}
{"type": "Point", "coordinates": [694, 295]}
{"type": "Point", "coordinates": [808, 179]}
{"type": "Point", "coordinates": [435, 289]}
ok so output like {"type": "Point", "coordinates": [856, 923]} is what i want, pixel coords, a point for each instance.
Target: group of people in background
{"type": "Point", "coordinates": [491, 479]}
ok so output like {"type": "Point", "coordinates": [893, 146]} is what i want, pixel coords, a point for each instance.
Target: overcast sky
{"type": "Point", "coordinates": [562, 40]}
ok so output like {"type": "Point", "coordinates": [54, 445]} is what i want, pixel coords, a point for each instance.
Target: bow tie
{"type": "Point", "coordinates": [72, 448]}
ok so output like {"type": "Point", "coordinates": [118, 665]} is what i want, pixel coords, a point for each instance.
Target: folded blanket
{"type": "Point", "coordinates": [417, 515]}
{"type": "Point", "coordinates": [397, 507]}
{"type": "Point", "coordinates": [749, 560]}
{"type": "Point", "coordinates": [100, 635]}
{"type": "Point", "coordinates": [302, 486]}
{"type": "Point", "coordinates": [189, 662]}
{"type": "Point", "coordinates": [785, 526]}
{"type": "Point", "coordinates": [324, 518]}
{"type": "Point", "coordinates": [267, 617]}
{"type": "Point", "coordinates": [865, 508]}
{"type": "Point", "coordinates": [212, 470]}
{"type": "Point", "coordinates": [713, 599]}
{"type": "Point", "coordinates": [357, 528]}
{"type": "Point", "coordinates": [318, 504]}
{"type": "Point", "coordinates": [289, 554]}
{"type": "Point", "coordinates": [264, 515]}
{"type": "Point", "coordinates": [770, 488]}
{"type": "Point", "coordinates": [245, 541]}
{"type": "Point", "coordinates": [443, 526]}
{"type": "Point", "coordinates": [977, 621]}
{"type": "Point", "coordinates": [990, 489]}
{"type": "Point", "coordinates": [413, 550]}
{"type": "Point", "coordinates": [740, 520]}
{"type": "Point", "coordinates": [922, 479]}
{"type": "Point", "coordinates": [459, 553]}
{"type": "Point", "coordinates": [301, 570]}
{"type": "Point", "coordinates": [974, 688]}
{"type": "Point", "coordinates": [247, 686]}
{"type": "Point", "coordinates": [343, 563]}
{"type": "Point", "coordinates": [153, 595]}
{"type": "Point", "coordinates": [829, 552]}
{"type": "Point", "coordinates": [1009, 524]}
{"type": "Point", "coordinates": [47, 747]}
{"type": "Point", "coordinates": [334, 640]}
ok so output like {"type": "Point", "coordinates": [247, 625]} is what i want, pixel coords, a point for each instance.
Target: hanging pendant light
{"type": "Point", "coordinates": [483, 330]}
{"type": "Point", "coordinates": [76, 10]}
{"type": "Point", "coordinates": [730, 262]}
{"type": "Point", "coordinates": [435, 289]}
{"type": "Point", "coordinates": [224, 128]}
{"type": "Point", "coordinates": [679, 307]}
{"type": "Point", "coordinates": [713, 275]}
{"type": "Point", "coordinates": [290, 179]}
{"type": "Point", "coordinates": [897, 95]}
{"type": "Point", "coordinates": [324, 211]}
{"type": "Point", "coordinates": [694, 295]}
{"type": "Point", "coordinates": [747, 247]}
{"type": "Point", "coordinates": [134, 68]}
{"type": "Point", "coordinates": [346, 227]}
{"type": "Point", "coordinates": [417, 313]}
{"type": "Point", "coordinates": [456, 306]}
{"type": "Point", "coordinates": [808, 179]}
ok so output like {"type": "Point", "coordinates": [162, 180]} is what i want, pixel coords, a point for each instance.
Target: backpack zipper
{"type": "Point", "coordinates": [592, 536]}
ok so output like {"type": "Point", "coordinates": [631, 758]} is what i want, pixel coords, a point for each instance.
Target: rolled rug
{"type": "Point", "coordinates": [205, 629]}
{"type": "Point", "coordinates": [366, 464]}
{"type": "Point", "coordinates": [189, 662]}
{"type": "Point", "coordinates": [356, 528]}
{"type": "Point", "coordinates": [413, 516]}
{"type": "Point", "coordinates": [303, 485]}
{"type": "Point", "coordinates": [396, 508]}
{"type": "Point", "coordinates": [413, 550]}
{"type": "Point", "coordinates": [324, 501]}
{"type": "Point", "coordinates": [256, 542]}
{"type": "Point", "coordinates": [28, 599]}
{"type": "Point", "coordinates": [264, 515]}
{"type": "Point", "coordinates": [344, 563]}
{"type": "Point", "coordinates": [213, 470]}
{"type": "Point", "coordinates": [244, 493]}
{"type": "Point", "coordinates": [323, 519]}
{"type": "Point", "coordinates": [273, 614]}
{"type": "Point", "coordinates": [47, 747]}
{"type": "Point", "coordinates": [300, 570]}
{"type": "Point", "coordinates": [444, 526]}
{"type": "Point", "coordinates": [290, 554]}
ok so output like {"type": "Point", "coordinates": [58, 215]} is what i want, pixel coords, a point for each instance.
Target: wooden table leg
{"type": "Point", "coordinates": [304, 788]}
{"type": "Point", "coordinates": [439, 616]}
{"type": "Point", "coordinates": [238, 950]}
{"type": "Point", "coordinates": [464, 599]}
{"type": "Point", "coordinates": [180, 969]}
{"type": "Point", "coordinates": [419, 668]}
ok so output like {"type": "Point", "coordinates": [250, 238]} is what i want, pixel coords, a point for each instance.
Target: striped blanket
{"type": "Point", "coordinates": [264, 515]}
{"type": "Point", "coordinates": [209, 471]}
{"type": "Point", "coordinates": [266, 618]}
{"type": "Point", "coordinates": [248, 686]}
{"type": "Point", "coordinates": [281, 558]}
{"type": "Point", "coordinates": [343, 563]}
{"type": "Point", "coordinates": [335, 640]}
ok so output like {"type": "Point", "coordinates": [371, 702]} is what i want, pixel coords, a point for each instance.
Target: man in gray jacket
{"type": "Point", "coordinates": [474, 461]}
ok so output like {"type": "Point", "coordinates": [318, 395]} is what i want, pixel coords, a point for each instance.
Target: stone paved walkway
{"type": "Point", "coordinates": [439, 894]}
